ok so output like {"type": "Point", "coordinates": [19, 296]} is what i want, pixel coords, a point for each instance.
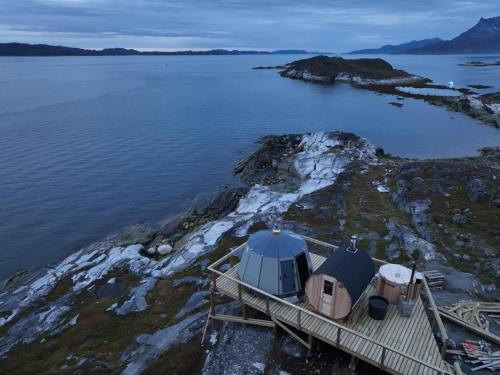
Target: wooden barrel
{"type": "Point", "coordinates": [393, 280]}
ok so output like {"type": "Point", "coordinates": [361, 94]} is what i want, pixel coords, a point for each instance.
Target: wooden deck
{"type": "Point", "coordinates": [397, 344]}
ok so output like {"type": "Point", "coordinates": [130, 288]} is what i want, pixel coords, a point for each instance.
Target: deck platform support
{"type": "Point", "coordinates": [353, 363]}
{"type": "Point", "coordinates": [291, 333]}
{"type": "Point", "coordinates": [310, 343]}
{"type": "Point", "coordinates": [237, 319]}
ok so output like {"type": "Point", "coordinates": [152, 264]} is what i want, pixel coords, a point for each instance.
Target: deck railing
{"type": "Point", "coordinates": [301, 312]}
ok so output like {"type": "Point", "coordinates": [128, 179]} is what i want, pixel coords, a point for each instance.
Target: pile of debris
{"type": "Point", "coordinates": [475, 313]}
{"type": "Point", "coordinates": [435, 279]}
{"type": "Point", "coordinates": [478, 353]}
{"type": "Point", "coordinates": [474, 316]}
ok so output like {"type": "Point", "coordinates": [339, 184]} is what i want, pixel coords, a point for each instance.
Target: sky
{"type": "Point", "coordinates": [315, 25]}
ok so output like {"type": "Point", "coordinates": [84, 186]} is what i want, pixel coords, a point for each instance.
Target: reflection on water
{"type": "Point", "coordinates": [89, 145]}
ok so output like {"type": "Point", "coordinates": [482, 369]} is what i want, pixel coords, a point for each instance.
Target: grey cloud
{"type": "Point", "coordinates": [333, 25]}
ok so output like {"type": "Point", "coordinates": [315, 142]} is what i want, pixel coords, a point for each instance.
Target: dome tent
{"type": "Point", "coordinates": [276, 261]}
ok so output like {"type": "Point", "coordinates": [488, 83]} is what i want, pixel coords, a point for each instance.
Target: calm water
{"type": "Point", "coordinates": [89, 145]}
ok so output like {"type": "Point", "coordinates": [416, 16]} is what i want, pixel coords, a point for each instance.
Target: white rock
{"type": "Point", "coordinates": [151, 251]}
{"type": "Point", "coordinates": [164, 249]}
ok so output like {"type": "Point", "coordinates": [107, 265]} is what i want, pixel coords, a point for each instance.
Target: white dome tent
{"type": "Point", "coordinates": [276, 261]}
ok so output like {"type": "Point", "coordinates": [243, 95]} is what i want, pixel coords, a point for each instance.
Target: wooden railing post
{"type": "Point", "coordinates": [242, 304]}
{"type": "Point", "coordinates": [338, 336]}
{"type": "Point", "coordinates": [382, 358]}
{"type": "Point", "coordinates": [437, 317]}
{"type": "Point", "coordinates": [268, 312]}
{"type": "Point", "coordinates": [298, 320]}
{"type": "Point", "coordinates": [444, 348]}
{"type": "Point", "coordinates": [214, 281]}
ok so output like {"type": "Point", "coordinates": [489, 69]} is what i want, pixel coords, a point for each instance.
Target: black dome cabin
{"type": "Point", "coordinates": [334, 288]}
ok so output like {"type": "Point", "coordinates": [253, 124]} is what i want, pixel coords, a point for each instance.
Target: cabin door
{"type": "Point", "coordinates": [288, 276]}
{"type": "Point", "coordinates": [326, 303]}
{"type": "Point", "coordinates": [303, 269]}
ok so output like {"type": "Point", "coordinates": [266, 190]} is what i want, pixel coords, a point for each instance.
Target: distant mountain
{"type": "Point", "coordinates": [23, 49]}
{"type": "Point", "coordinates": [483, 37]}
{"type": "Point", "coordinates": [399, 48]}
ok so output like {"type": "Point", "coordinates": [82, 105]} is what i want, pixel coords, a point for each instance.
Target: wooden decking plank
{"type": "Point", "coordinates": [427, 347]}
{"type": "Point", "coordinates": [385, 333]}
{"type": "Point", "coordinates": [415, 338]}
{"type": "Point", "coordinates": [369, 331]}
{"type": "Point", "coordinates": [415, 346]}
{"type": "Point", "coordinates": [406, 331]}
{"type": "Point", "coordinates": [381, 328]}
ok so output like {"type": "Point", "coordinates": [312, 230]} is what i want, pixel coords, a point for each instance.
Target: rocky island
{"type": "Point", "coordinates": [378, 75]}
{"type": "Point", "coordinates": [328, 70]}
{"type": "Point", "coordinates": [137, 302]}
{"type": "Point", "coordinates": [480, 63]}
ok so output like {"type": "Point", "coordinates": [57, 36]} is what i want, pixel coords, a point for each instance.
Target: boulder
{"type": "Point", "coordinates": [164, 249]}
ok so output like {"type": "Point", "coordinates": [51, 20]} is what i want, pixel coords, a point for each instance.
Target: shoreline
{"type": "Point", "coordinates": [308, 182]}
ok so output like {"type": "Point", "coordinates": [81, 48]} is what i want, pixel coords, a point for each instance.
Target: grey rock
{"type": "Point", "coordinates": [204, 263]}
{"type": "Point", "coordinates": [190, 280]}
{"type": "Point", "coordinates": [148, 347]}
{"type": "Point", "coordinates": [31, 327]}
{"type": "Point", "coordinates": [459, 219]}
{"type": "Point", "coordinates": [225, 267]}
{"type": "Point", "coordinates": [476, 189]}
{"type": "Point", "coordinates": [292, 347]}
{"type": "Point", "coordinates": [137, 297]}
{"type": "Point", "coordinates": [195, 301]}
{"type": "Point", "coordinates": [416, 183]}
{"type": "Point", "coordinates": [240, 350]}
{"type": "Point", "coordinates": [403, 237]}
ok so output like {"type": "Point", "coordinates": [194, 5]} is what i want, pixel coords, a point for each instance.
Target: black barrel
{"type": "Point", "coordinates": [377, 307]}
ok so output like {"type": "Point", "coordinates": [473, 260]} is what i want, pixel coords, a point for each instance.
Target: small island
{"type": "Point", "coordinates": [480, 63]}
{"type": "Point", "coordinates": [324, 69]}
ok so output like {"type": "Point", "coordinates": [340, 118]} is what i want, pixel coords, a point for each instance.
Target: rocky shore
{"type": "Point", "coordinates": [136, 303]}
{"type": "Point", "coordinates": [378, 75]}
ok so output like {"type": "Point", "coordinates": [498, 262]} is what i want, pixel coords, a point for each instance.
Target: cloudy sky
{"type": "Point", "coordinates": [325, 25]}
